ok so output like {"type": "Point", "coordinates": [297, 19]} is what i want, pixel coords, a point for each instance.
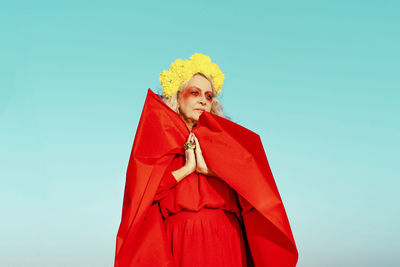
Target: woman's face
{"type": "Point", "coordinates": [197, 96]}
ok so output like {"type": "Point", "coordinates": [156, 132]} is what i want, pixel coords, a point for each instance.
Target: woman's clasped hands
{"type": "Point", "coordinates": [194, 157]}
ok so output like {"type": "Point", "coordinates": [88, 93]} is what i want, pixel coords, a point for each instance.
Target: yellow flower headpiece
{"type": "Point", "coordinates": [182, 70]}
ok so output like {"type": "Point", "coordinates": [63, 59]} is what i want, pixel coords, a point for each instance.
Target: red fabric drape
{"type": "Point", "coordinates": [234, 153]}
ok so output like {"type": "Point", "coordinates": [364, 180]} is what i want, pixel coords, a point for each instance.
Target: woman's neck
{"type": "Point", "coordinates": [190, 124]}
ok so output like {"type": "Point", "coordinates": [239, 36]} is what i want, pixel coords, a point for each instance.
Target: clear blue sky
{"type": "Point", "coordinates": [317, 80]}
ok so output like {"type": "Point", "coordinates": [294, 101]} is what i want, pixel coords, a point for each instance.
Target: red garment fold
{"type": "Point", "coordinates": [167, 183]}
{"type": "Point", "coordinates": [195, 192]}
{"type": "Point", "coordinates": [234, 153]}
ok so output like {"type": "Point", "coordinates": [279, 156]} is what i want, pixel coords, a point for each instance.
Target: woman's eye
{"type": "Point", "coordinates": [209, 97]}
{"type": "Point", "coordinates": [194, 92]}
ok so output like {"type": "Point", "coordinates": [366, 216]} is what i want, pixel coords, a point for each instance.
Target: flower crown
{"type": "Point", "coordinates": [182, 70]}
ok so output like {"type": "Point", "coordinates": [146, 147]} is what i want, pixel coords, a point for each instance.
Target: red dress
{"type": "Point", "coordinates": [202, 218]}
{"type": "Point", "coordinates": [236, 154]}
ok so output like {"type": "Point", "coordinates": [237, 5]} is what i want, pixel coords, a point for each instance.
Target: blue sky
{"type": "Point", "coordinates": [317, 80]}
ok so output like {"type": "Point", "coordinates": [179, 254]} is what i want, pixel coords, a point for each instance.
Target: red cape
{"type": "Point", "coordinates": [234, 153]}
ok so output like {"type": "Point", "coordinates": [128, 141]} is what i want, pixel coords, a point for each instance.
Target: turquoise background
{"type": "Point", "coordinates": [317, 80]}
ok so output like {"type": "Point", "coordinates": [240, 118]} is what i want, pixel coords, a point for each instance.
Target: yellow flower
{"type": "Point", "coordinates": [182, 70]}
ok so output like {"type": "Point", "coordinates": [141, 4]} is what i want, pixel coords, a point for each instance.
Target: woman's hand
{"type": "Point", "coordinates": [190, 161]}
{"type": "Point", "coordinates": [201, 166]}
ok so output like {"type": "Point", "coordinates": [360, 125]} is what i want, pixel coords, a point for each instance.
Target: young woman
{"type": "Point", "coordinates": [211, 201]}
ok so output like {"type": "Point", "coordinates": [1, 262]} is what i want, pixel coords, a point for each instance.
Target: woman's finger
{"type": "Point", "coordinates": [190, 138]}
{"type": "Point", "coordinates": [197, 142]}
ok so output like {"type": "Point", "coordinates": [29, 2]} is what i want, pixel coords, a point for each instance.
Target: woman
{"type": "Point", "coordinates": [190, 205]}
{"type": "Point", "coordinates": [209, 234]}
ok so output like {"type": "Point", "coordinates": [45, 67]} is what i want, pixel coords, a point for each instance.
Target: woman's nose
{"type": "Point", "coordinates": [203, 100]}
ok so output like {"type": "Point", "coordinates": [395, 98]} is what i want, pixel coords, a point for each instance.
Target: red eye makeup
{"type": "Point", "coordinates": [194, 91]}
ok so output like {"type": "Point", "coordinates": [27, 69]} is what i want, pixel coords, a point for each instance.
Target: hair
{"type": "Point", "coordinates": [216, 106]}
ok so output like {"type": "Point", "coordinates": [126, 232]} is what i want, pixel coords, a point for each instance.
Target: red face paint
{"type": "Point", "coordinates": [188, 93]}
{"type": "Point", "coordinates": [195, 92]}
{"type": "Point", "coordinates": [209, 96]}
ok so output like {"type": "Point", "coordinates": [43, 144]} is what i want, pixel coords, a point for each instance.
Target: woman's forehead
{"type": "Point", "coordinates": [200, 82]}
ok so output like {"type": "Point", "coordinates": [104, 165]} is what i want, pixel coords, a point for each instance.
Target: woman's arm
{"type": "Point", "coordinates": [170, 180]}
{"type": "Point", "coordinates": [181, 173]}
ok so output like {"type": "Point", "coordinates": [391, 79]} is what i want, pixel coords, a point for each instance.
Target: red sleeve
{"type": "Point", "coordinates": [167, 182]}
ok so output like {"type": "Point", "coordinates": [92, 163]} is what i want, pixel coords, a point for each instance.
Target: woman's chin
{"type": "Point", "coordinates": [196, 117]}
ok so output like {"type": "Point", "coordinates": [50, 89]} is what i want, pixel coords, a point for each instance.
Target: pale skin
{"type": "Point", "coordinates": [196, 95]}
